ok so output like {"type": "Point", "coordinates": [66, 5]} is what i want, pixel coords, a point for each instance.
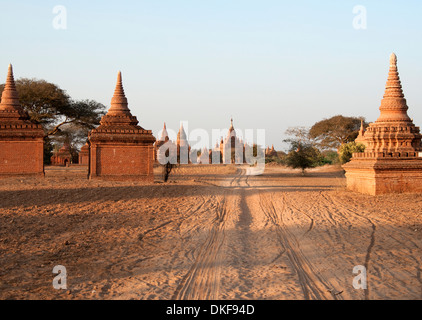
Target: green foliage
{"type": "Point", "coordinates": [303, 156]}
{"type": "Point", "coordinates": [346, 151]}
{"type": "Point", "coordinates": [273, 160]}
{"type": "Point", "coordinates": [302, 152]}
{"type": "Point", "coordinates": [330, 157]}
{"type": "Point", "coordinates": [333, 132]}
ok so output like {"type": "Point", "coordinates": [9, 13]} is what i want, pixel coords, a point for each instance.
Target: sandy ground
{"type": "Point", "coordinates": [212, 232]}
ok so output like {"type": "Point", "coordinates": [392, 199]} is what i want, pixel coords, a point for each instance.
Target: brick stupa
{"type": "Point", "coordinates": [83, 157]}
{"type": "Point", "coordinates": [119, 148]}
{"type": "Point", "coordinates": [21, 140]}
{"type": "Point", "coordinates": [63, 156]}
{"type": "Point", "coordinates": [391, 162]}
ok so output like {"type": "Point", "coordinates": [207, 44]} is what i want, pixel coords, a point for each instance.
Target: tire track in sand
{"type": "Point", "coordinates": [202, 281]}
{"type": "Point", "coordinates": [313, 285]}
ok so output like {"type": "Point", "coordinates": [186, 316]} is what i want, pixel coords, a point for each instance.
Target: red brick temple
{"type": "Point", "coordinates": [119, 148]}
{"type": "Point", "coordinates": [62, 157]}
{"type": "Point", "coordinates": [392, 162]}
{"type": "Point", "coordinates": [21, 140]}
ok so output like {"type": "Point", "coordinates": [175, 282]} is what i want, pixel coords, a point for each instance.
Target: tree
{"type": "Point", "coordinates": [302, 153]}
{"type": "Point", "coordinates": [333, 132]}
{"type": "Point", "coordinates": [84, 114]}
{"type": "Point", "coordinates": [49, 105]}
{"type": "Point", "coordinates": [61, 117]}
{"type": "Point", "coordinates": [346, 151]}
{"type": "Point", "coordinates": [298, 135]}
{"type": "Point", "coordinates": [303, 156]}
{"type": "Point", "coordinates": [42, 100]}
{"type": "Point", "coordinates": [330, 157]}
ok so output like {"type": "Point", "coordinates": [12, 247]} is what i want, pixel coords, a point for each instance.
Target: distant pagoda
{"type": "Point", "coordinates": [119, 148]}
{"type": "Point", "coordinates": [183, 147]}
{"type": "Point", "coordinates": [391, 162]}
{"type": "Point", "coordinates": [83, 157]}
{"type": "Point", "coordinates": [63, 156]}
{"type": "Point", "coordinates": [21, 140]}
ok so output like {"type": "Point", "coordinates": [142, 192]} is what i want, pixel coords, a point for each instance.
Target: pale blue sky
{"type": "Point", "coordinates": [270, 64]}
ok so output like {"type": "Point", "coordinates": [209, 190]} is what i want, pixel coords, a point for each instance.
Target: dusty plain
{"type": "Point", "coordinates": [212, 232]}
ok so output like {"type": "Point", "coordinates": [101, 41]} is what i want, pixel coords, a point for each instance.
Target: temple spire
{"type": "Point", "coordinates": [164, 134]}
{"type": "Point", "coordinates": [181, 135]}
{"type": "Point", "coordinates": [393, 106]}
{"type": "Point", "coordinates": [231, 124]}
{"type": "Point", "coordinates": [119, 104]}
{"type": "Point", "coordinates": [9, 98]}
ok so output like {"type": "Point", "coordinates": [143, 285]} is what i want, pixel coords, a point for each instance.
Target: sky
{"type": "Point", "coordinates": [269, 64]}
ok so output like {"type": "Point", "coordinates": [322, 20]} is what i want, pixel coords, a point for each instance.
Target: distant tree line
{"type": "Point", "coordinates": [329, 141]}
{"type": "Point", "coordinates": [62, 118]}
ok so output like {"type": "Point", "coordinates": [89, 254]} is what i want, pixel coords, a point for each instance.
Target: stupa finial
{"type": "Point", "coordinates": [9, 97]}
{"type": "Point", "coordinates": [393, 59]}
{"type": "Point", "coordinates": [393, 106]}
{"type": "Point", "coordinates": [119, 105]}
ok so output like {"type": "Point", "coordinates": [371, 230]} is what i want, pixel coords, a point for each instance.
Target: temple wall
{"type": "Point", "coordinates": [376, 181]}
{"type": "Point", "coordinates": [132, 162]}
{"type": "Point", "coordinates": [21, 157]}
{"type": "Point", "coordinates": [84, 159]}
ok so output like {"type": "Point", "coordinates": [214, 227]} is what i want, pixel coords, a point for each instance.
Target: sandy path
{"type": "Point", "coordinates": [208, 234]}
{"type": "Point", "coordinates": [316, 237]}
{"type": "Point", "coordinates": [245, 213]}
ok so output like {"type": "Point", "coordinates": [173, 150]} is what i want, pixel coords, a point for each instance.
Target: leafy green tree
{"type": "Point", "coordinates": [330, 157]}
{"type": "Point", "coordinates": [333, 132]}
{"type": "Point", "coordinates": [302, 152]}
{"type": "Point", "coordinates": [346, 151]}
{"type": "Point", "coordinates": [303, 156]}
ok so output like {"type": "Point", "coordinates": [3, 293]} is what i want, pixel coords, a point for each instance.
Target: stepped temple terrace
{"type": "Point", "coordinates": [392, 161]}
{"type": "Point", "coordinates": [21, 140]}
{"type": "Point", "coordinates": [119, 147]}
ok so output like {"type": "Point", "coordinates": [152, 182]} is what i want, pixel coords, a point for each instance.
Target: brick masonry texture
{"type": "Point", "coordinates": [391, 161]}
{"type": "Point", "coordinates": [21, 140]}
{"type": "Point", "coordinates": [119, 148]}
